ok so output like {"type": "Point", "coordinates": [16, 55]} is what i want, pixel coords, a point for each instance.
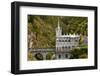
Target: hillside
{"type": "Point", "coordinates": [41, 29]}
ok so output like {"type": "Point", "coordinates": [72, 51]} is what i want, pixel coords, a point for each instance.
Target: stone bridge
{"type": "Point", "coordinates": [56, 54]}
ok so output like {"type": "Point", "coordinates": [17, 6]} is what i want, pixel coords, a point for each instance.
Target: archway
{"type": "Point", "coordinates": [50, 56]}
{"type": "Point", "coordinates": [38, 56]}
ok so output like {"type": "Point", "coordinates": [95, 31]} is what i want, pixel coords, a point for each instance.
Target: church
{"type": "Point", "coordinates": [65, 43]}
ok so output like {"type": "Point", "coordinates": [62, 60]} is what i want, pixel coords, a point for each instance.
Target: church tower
{"type": "Point", "coordinates": [58, 30]}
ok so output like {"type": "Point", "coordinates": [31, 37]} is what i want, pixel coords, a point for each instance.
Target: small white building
{"type": "Point", "coordinates": [65, 43]}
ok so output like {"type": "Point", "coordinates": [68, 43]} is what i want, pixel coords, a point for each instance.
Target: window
{"type": "Point", "coordinates": [66, 55]}
{"type": "Point", "coordinates": [66, 47]}
{"type": "Point", "coordinates": [76, 40]}
{"type": "Point", "coordinates": [59, 40]}
{"type": "Point", "coordinates": [73, 46]}
{"type": "Point", "coordinates": [65, 40]}
{"type": "Point", "coordinates": [68, 40]}
{"type": "Point", "coordinates": [59, 56]}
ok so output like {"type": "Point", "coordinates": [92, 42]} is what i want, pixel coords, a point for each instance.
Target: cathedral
{"type": "Point", "coordinates": [65, 43]}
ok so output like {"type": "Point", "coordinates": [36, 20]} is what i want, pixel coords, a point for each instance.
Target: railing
{"type": "Point", "coordinates": [42, 49]}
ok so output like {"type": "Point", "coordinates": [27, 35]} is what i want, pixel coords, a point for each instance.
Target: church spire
{"type": "Point", "coordinates": [58, 30]}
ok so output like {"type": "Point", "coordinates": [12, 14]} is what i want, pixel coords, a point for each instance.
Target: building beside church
{"type": "Point", "coordinates": [65, 43]}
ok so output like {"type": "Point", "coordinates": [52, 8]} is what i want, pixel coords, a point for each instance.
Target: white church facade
{"type": "Point", "coordinates": [65, 43]}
